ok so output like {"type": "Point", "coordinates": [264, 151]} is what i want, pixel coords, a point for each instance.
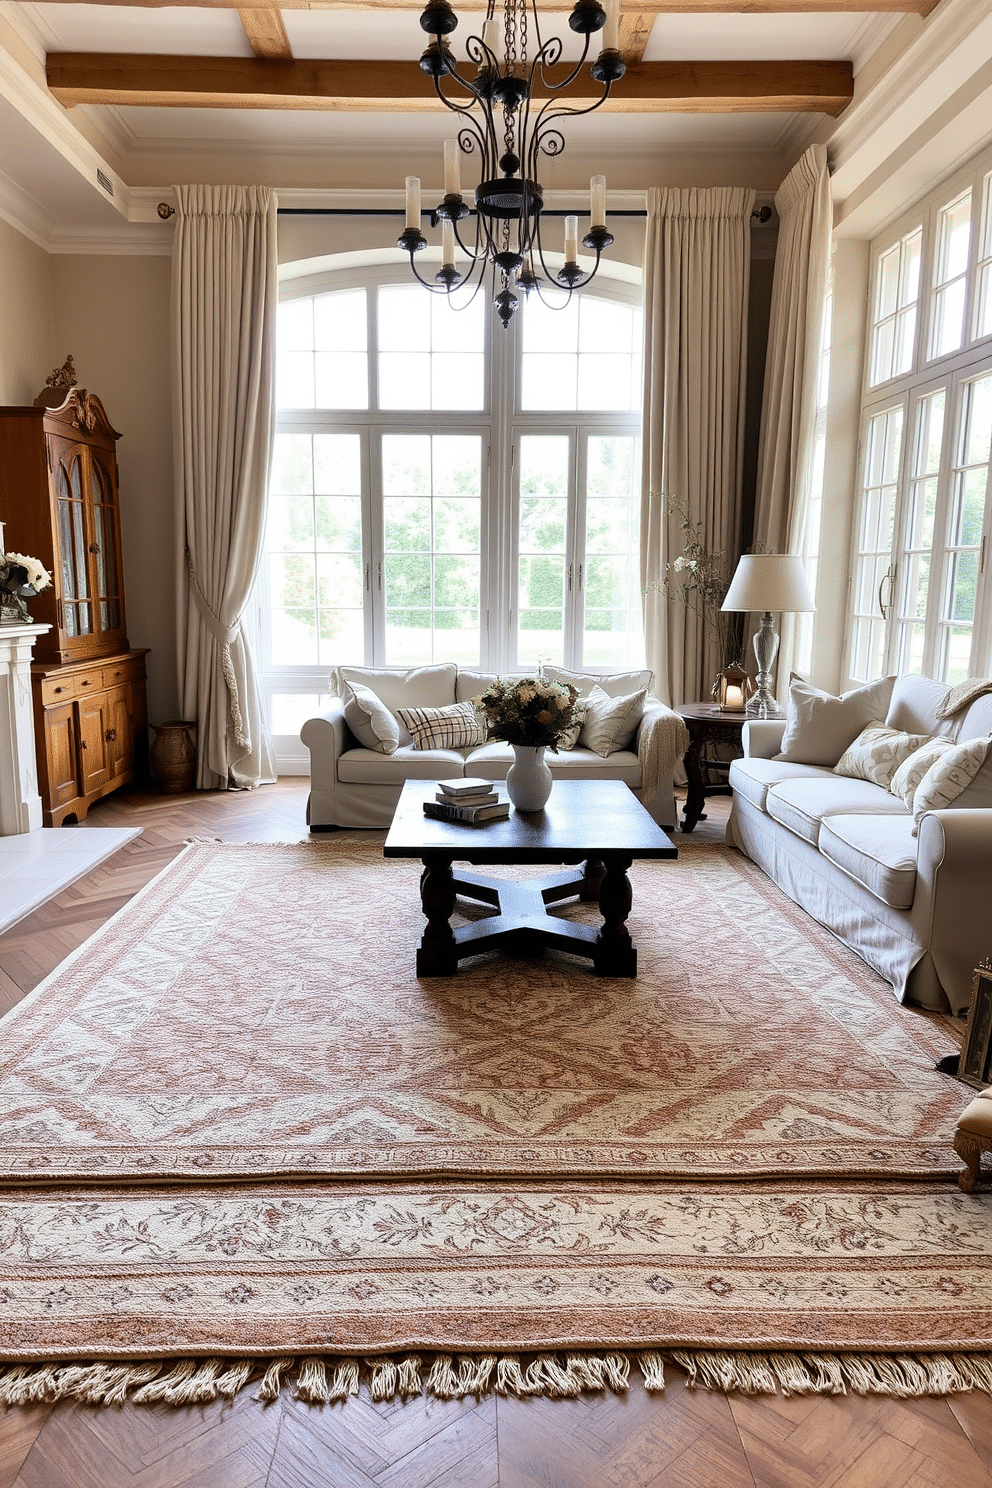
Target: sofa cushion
{"type": "Point", "coordinates": [470, 683]}
{"type": "Point", "coordinates": [609, 723]}
{"type": "Point", "coordinates": [753, 776]}
{"type": "Point", "coordinates": [877, 753]}
{"type": "Point", "coordinates": [366, 767]}
{"type": "Point", "coordinates": [369, 719]}
{"type": "Point", "coordinates": [878, 852]}
{"type": "Point", "coordinates": [801, 805]}
{"type": "Point", "coordinates": [913, 706]}
{"type": "Point", "coordinates": [820, 727]}
{"type": "Point", "coordinates": [584, 764]}
{"type": "Point", "coordinates": [912, 770]}
{"type": "Point", "coordinates": [977, 719]}
{"type": "Point", "coordinates": [614, 684]}
{"type": "Point", "coordinates": [420, 687]}
{"type": "Point", "coordinates": [454, 727]}
{"type": "Point", "coordinates": [960, 777]}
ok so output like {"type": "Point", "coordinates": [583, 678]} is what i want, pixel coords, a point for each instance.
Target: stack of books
{"type": "Point", "coordinates": [468, 800]}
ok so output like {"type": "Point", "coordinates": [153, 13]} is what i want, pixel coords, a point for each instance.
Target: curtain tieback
{"type": "Point", "coordinates": [225, 636]}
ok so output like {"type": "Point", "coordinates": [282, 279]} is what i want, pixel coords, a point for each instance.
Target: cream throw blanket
{"type": "Point", "coordinates": [662, 740]}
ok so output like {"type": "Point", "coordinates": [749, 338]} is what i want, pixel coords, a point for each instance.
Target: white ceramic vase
{"type": "Point", "coordinates": [528, 780]}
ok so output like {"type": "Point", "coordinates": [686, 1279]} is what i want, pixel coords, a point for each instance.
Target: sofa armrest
{"type": "Point", "coordinates": [662, 740]}
{"type": "Point", "coordinates": [954, 895]}
{"type": "Point", "coordinates": [327, 737]}
{"type": "Point", "coordinates": [762, 737]}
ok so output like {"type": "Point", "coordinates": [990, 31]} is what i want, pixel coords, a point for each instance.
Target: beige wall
{"type": "Point", "coordinates": [112, 313]}
{"type": "Point", "coordinates": [27, 322]}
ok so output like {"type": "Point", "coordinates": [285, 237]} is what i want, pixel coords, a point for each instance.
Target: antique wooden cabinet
{"type": "Point", "coordinates": [59, 498]}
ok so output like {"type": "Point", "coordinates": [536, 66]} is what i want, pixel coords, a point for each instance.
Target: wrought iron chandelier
{"type": "Point", "coordinates": [510, 107]}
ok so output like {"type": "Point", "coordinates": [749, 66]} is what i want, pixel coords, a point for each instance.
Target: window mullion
{"type": "Point", "coordinates": [576, 551]}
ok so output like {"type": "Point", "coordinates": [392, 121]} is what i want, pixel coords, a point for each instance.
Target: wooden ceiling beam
{"type": "Point", "coordinates": [245, 82]}
{"type": "Point", "coordinates": [647, 7]}
{"type": "Point", "coordinates": [266, 33]}
{"type": "Point", "coordinates": [635, 32]}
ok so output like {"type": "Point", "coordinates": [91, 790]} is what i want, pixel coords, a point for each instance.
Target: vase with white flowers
{"type": "Point", "coordinates": [531, 714]}
{"type": "Point", "coordinates": [20, 578]}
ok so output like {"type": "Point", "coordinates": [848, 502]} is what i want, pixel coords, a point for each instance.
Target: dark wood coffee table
{"type": "Point", "coordinates": [599, 824]}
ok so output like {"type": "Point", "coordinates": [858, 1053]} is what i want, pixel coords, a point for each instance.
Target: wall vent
{"type": "Point", "coordinates": [105, 182]}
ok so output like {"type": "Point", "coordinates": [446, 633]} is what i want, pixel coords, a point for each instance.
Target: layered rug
{"type": "Point", "coordinates": [238, 1136]}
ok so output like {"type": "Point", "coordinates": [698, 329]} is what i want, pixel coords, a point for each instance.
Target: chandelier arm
{"type": "Point", "coordinates": [549, 60]}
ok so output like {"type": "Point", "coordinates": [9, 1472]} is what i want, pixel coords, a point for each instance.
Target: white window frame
{"type": "Point", "coordinates": [501, 424]}
{"type": "Point", "coordinates": [950, 370]}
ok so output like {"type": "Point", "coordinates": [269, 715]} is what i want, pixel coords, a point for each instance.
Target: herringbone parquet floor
{"type": "Point", "coordinates": [679, 1440]}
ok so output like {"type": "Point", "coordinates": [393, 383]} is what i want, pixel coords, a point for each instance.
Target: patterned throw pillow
{"type": "Point", "coordinates": [611, 722]}
{"type": "Point", "coordinates": [457, 727]}
{"type": "Point", "coordinates": [960, 777]}
{"type": "Point", "coordinates": [877, 753]}
{"type": "Point", "coordinates": [913, 769]}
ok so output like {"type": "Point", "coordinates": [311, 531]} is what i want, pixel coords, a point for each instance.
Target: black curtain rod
{"type": "Point", "coordinates": [761, 213]}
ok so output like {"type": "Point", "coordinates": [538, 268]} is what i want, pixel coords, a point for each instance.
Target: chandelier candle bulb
{"type": "Point", "coordinates": [571, 239]}
{"type": "Point", "coordinates": [447, 243]}
{"type": "Point", "coordinates": [611, 36]}
{"type": "Point", "coordinates": [490, 35]}
{"type": "Point", "coordinates": [452, 171]}
{"type": "Point", "coordinates": [597, 201]}
{"type": "Point", "coordinates": [413, 202]}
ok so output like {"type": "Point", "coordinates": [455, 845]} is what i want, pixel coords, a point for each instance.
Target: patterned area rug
{"type": "Point", "coordinates": [235, 1132]}
{"type": "Point", "coordinates": [255, 1013]}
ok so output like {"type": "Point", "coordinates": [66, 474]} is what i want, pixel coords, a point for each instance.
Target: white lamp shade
{"type": "Point", "coordinates": [769, 581]}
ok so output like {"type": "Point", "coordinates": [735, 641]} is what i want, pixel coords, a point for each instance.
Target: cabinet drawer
{"type": "Point", "coordinates": [86, 682]}
{"type": "Point", "coordinates": [57, 689]}
{"type": "Point", "coordinates": [122, 671]}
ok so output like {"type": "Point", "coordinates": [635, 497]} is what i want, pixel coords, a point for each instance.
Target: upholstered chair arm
{"type": "Point", "coordinates": [327, 736]}
{"type": "Point", "coordinates": [954, 895]}
{"type": "Point", "coordinates": [762, 737]}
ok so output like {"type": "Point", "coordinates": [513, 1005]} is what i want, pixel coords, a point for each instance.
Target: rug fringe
{"type": "Point", "coordinates": [323, 1379]}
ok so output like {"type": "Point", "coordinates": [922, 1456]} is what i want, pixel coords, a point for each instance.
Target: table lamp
{"type": "Point", "coordinates": [768, 584]}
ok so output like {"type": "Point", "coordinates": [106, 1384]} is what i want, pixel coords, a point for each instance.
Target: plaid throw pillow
{"type": "Point", "coordinates": [457, 727]}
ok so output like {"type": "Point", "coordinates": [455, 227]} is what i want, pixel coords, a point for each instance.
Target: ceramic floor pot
{"type": "Point", "coordinates": [173, 756]}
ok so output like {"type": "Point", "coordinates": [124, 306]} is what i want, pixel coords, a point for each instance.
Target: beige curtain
{"type": "Point", "coordinates": [697, 268]}
{"type": "Point", "coordinates": [223, 311]}
{"type": "Point", "coordinates": [788, 408]}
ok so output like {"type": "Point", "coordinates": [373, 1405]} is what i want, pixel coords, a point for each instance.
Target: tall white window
{"type": "Point", "coordinates": [443, 490]}
{"type": "Point", "coordinates": [920, 597]}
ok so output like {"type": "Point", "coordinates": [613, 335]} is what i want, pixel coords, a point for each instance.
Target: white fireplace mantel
{"type": "Point", "coordinates": [20, 803]}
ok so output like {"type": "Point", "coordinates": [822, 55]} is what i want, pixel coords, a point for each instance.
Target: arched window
{"type": "Point", "coordinates": [443, 490]}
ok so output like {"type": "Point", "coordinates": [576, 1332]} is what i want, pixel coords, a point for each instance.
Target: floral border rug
{"type": "Point", "coordinates": [255, 1013]}
{"type": "Point", "coordinates": [240, 1138]}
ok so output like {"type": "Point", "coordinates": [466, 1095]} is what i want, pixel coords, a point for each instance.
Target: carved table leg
{"type": "Point", "coordinates": [436, 954]}
{"type": "Point", "coordinates": [695, 796]}
{"type": "Point", "coordinates": [593, 870]}
{"type": "Point", "coordinates": [614, 953]}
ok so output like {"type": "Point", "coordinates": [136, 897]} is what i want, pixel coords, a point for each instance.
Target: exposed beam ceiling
{"type": "Point", "coordinates": [242, 82]}
{"type": "Point", "coordinates": [647, 7]}
{"type": "Point", "coordinates": [635, 31]}
{"type": "Point", "coordinates": [266, 33]}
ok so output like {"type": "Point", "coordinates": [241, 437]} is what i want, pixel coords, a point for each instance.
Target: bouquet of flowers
{"type": "Point", "coordinates": [529, 711]}
{"type": "Point", "coordinates": [20, 577]}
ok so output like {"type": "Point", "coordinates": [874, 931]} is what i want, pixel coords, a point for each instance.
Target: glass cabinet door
{"type": "Point", "coordinates": [106, 578]}
{"type": "Point", "coordinates": [70, 493]}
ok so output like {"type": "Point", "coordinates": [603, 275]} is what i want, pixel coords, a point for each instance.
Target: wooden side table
{"type": "Point", "coordinates": [707, 725]}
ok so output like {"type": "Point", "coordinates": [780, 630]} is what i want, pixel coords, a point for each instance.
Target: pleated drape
{"type": "Point", "coordinates": [697, 271]}
{"type": "Point", "coordinates": [788, 410]}
{"type": "Point", "coordinates": [224, 318]}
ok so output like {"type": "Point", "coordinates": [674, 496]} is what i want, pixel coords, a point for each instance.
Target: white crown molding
{"type": "Point", "coordinates": [944, 54]}
{"type": "Point", "coordinates": [24, 214]}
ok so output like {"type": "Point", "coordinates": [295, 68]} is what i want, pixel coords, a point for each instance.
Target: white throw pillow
{"type": "Point", "coordinates": [369, 719]}
{"type": "Point", "coordinates": [960, 777]}
{"type": "Point", "coordinates": [614, 684]}
{"type": "Point", "coordinates": [912, 770]}
{"type": "Point", "coordinates": [457, 727]}
{"type": "Point", "coordinates": [610, 722]}
{"type": "Point", "coordinates": [877, 753]}
{"type": "Point", "coordinates": [569, 740]}
{"type": "Point", "coordinates": [820, 727]}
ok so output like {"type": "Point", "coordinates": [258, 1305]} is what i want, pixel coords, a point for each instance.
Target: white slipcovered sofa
{"type": "Point", "coordinates": [354, 785]}
{"type": "Point", "coordinates": [903, 880]}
